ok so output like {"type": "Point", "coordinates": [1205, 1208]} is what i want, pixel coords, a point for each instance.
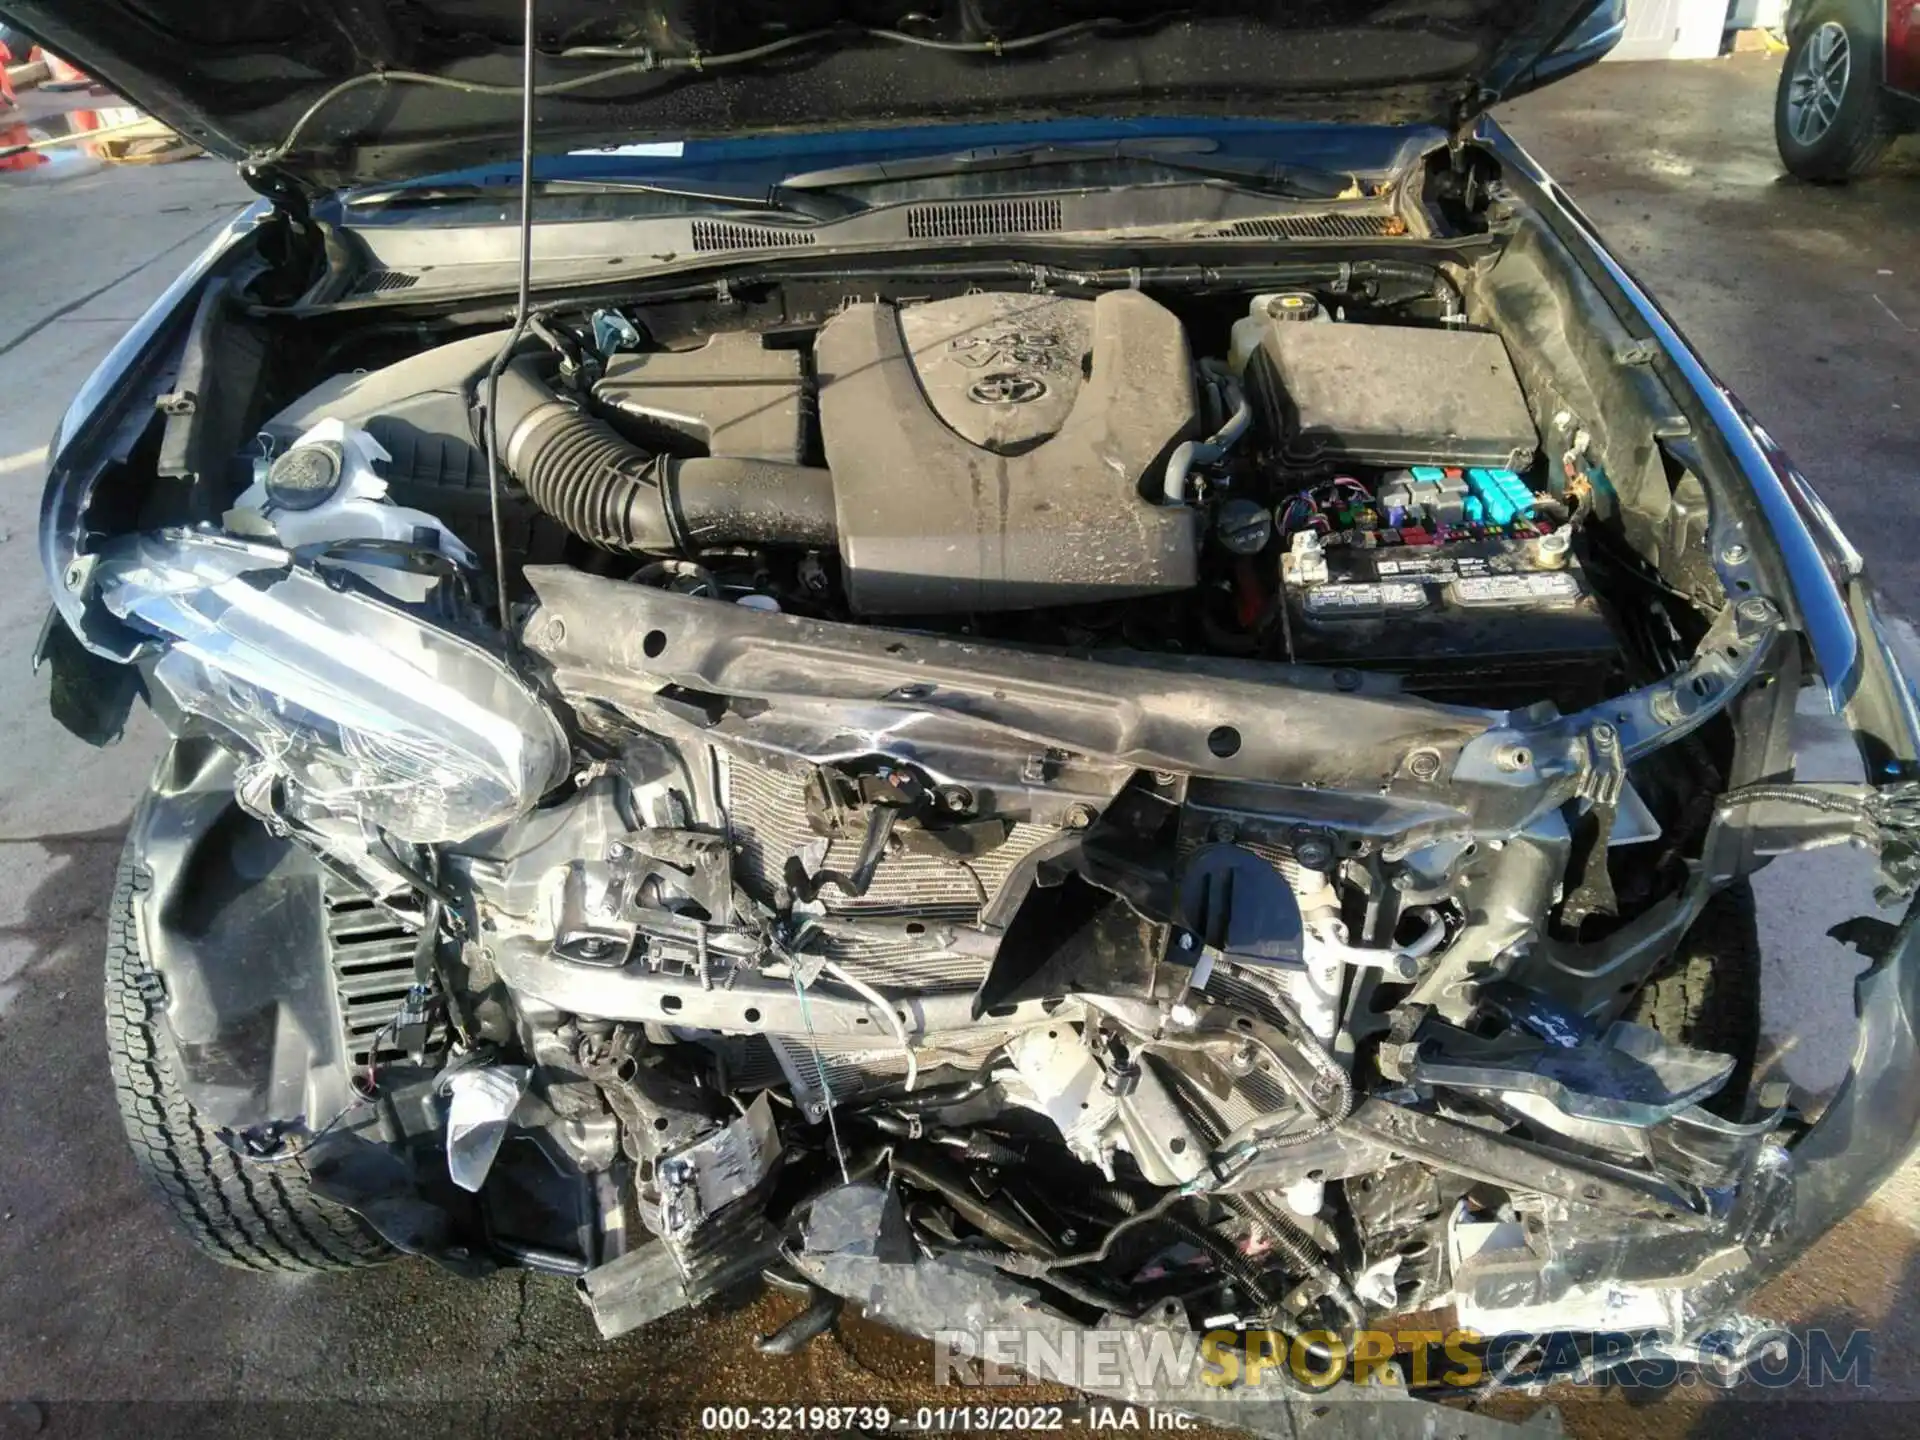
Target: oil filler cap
{"type": "Point", "coordinates": [306, 476]}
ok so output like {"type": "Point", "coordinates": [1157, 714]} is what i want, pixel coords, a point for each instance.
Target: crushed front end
{"type": "Point", "coordinates": [1171, 801]}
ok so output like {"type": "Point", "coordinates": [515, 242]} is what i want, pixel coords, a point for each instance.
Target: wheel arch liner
{"type": "Point", "coordinates": [234, 923]}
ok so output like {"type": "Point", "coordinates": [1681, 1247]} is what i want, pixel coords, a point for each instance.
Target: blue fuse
{"type": "Point", "coordinates": [1521, 493]}
{"type": "Point", "coordinates": [1502, 494]}
{"type": "Point", "coordinates": [1472, 511]}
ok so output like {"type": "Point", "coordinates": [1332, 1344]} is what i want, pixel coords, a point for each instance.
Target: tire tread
{"type": "Point", "coordinates": [1864, 127]}
{"type": "Point", "coordinates": [254, 1217]}
{"type": "Point", "coordinates": [1708, 995]}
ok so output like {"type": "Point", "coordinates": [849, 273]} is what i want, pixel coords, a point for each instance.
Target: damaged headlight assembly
{"type": "Point", "coordinates": [361, 709]}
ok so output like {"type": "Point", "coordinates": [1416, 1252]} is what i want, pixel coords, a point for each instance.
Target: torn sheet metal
{"type": "Point", "coordinates": [722, 1168]}
{"type": "Point", "coordinates": [962, 1302]}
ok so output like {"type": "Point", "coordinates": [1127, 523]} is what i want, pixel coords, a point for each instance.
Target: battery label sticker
{"type": "Point", "coordinates": [1335, 602]}
{"type": "Point", "coordinates": [1418, 565]}
{"type": "Point", "coordinates": [1514, 589]}
{"type": "Point", "coordinates": [1436, 567]}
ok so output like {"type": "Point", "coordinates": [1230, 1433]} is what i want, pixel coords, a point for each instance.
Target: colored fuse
{"type": "Point", "coordinates": [1415, 535]}
{"type": "Point", "coordinates": [1502, 494]}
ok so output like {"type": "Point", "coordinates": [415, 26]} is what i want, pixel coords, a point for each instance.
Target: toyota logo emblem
{"type": "Point", "coordinates": [1006, 389]}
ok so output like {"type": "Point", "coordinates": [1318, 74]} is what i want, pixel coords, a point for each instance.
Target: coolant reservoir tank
{"type": "Point", "coordinates": [1285, 307]}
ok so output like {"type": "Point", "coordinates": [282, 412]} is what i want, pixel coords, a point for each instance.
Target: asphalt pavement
{"type": "Point", "coordinates": [1806, 301]}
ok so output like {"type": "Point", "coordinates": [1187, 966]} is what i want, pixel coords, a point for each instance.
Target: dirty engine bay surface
{"type": "Point", "coordinates": [1188, 795]}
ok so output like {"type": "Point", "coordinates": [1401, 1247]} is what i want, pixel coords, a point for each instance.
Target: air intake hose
{"type": "Point", "coordinates": [613, 494]}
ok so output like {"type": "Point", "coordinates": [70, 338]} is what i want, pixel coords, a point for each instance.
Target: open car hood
{"type": "Point", "coordinates": [258, 81]}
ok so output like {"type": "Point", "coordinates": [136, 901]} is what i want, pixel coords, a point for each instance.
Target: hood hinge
{"type": "Point", "coordinates": [280, 187]}
{"type": "Point", "coordinates": [1463, 119]}
{"type": "Point", "coordinates": [290, 241]}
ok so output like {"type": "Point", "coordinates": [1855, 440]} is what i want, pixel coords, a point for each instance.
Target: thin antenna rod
{"type": "Point", "coordinates": [522, 303]}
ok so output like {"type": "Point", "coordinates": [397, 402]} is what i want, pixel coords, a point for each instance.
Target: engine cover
{"type": "Point", "coordinates": [994, 452]}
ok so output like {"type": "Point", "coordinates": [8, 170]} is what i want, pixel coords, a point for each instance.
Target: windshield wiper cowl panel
{"type": "Point", "coordinates": [742, 198]}
{"type": "Point", "coordinates": [1189, 155]}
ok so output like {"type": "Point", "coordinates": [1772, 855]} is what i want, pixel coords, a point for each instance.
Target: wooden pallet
{"type": "Point", "coordinates": [146, 143]}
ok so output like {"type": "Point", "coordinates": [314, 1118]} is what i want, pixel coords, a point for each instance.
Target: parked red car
{"type": "Point", "coordinates": [1851, 83]}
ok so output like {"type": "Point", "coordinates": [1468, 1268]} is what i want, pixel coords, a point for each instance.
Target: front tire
{"type": "Point", "coordinates": [1707, 995]}
{"type": "Point", "coordinates": [1829, 119]}
{"type": "Point", "coordinates": [249, 1214]}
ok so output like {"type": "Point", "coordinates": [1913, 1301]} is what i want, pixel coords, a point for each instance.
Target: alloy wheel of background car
{"type": "Point", "coordinates": [1818, 83]}
{"type": "Point", "coordinates": [1829, 122]}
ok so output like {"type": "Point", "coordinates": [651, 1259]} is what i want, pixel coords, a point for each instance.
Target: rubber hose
{"type": "Point", "coordinates": [614, 495]}
{"type": "Point", "coordinates": [967, 1145]}
{"type": "Point", "coordinates": [1223, 1254]}
{"type": "Point", "coordinates": [1010, 1230]}
{"type": "Point", "coordinates": [1288, 1238]}
{"type": "Point", "coordinates": [1295, 1244]}
{"type": "Point", "coordinates": [1190, 453]}
{"type": "Point", "coordinates": [1115, 1197]}
{"type": "Point", "coordinates": [1435, 279]}
{"type": "Point", "coordinates": [803, 1329]}
{"type": "Point", "coordinates": [981, 1149]}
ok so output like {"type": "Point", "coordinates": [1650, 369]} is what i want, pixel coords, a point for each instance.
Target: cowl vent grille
{"type": "Point", "coordinates": [730, 235]}
{"type": "Point", "coordinates": [966, 218]}
{"type": "Point", "coordinates": [379, 282]}
{"type": "Point", "coordinates": [1319, 227]}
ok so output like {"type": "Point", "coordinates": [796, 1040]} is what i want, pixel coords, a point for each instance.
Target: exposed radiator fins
{"type": "Point", "coordinates": [963, 219]}
{"type": "Point", "coordinates": [904, 965]}
{"type": "Point", "coordinates": [852, 1070]}
{"type": "Point", "coordinates": [731, 235]}
{"type": "Point", "coordinates": [768, 815]}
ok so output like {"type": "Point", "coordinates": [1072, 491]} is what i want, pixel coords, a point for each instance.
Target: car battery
{"type": "Point", "coordinates": [1474, 613]}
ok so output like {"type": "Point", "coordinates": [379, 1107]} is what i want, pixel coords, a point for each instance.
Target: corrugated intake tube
{"type": "Point", "coordinates": [613, 494]}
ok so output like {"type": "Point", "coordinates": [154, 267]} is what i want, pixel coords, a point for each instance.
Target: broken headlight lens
{"type": "Point", "coordinates": [364, 710]}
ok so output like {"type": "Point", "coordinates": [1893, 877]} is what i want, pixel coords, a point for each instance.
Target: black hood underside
{"type": "Point", "coordinates": [294, 87]}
